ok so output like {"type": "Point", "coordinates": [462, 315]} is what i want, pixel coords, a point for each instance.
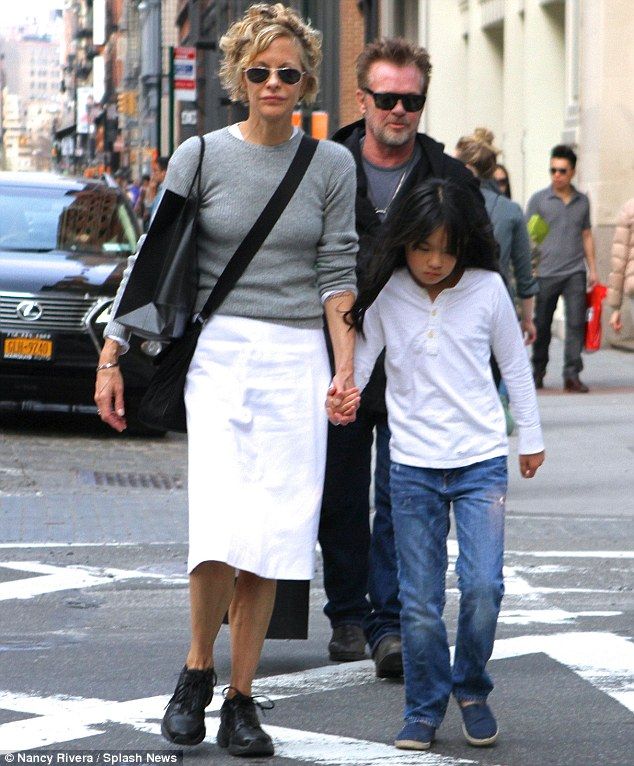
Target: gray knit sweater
{"type": "Point", "coordinates": [310, 252]}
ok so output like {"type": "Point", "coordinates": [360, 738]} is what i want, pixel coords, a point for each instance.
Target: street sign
{"type": "Point", "coordinates": [84, 104]}
{"type": "Point", "coordinates": [189, 117]}
{"type": "Point", "coordinates": [185, 74]}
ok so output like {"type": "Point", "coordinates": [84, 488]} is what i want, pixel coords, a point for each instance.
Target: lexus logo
{"type": "Point", "coordinates": [30, 311]}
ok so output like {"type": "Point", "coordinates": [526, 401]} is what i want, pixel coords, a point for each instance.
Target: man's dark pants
{"type": "Point", "coordinates": [573, 289]}
{"type": "Point", "coordinates": [354, 564]}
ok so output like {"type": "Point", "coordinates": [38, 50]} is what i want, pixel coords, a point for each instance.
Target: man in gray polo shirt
{"type": "Point", "coordinates": [565, 252]}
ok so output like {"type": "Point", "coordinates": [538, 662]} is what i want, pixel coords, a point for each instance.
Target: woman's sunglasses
{"type": "Point", "coordinates": [412, 102]}
{"type": "Point", "coordinates": [260, 74]}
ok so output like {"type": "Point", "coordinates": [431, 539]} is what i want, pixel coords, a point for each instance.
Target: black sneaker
{"type": "Point", "coordinates": [240, 731]}
{"type": "Point", "coordinates": [184, 719]}
{"type": "Point", "coordinates": [347, 643]}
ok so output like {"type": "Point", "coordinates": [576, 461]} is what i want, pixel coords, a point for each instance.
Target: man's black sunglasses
{"type": "Point", "coordinates": [412, 102]}
{"type": "Point", "coordinates": [259, 74]}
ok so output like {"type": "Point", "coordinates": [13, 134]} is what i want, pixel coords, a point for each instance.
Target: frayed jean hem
{"type": "Point", "coordinates": [476, 700]}
{"type": "Point", "coordinates": [418, 719]}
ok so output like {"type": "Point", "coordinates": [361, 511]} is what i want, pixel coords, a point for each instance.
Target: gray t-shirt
{"type": "Point", "coordinates": [385, 183]}
{"type": "Point", "coordinates": [311, 251]}
{"type": "Point", "coordinates": [562, 251]}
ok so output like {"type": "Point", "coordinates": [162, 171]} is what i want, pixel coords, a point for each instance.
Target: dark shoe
{"type": "Point", "coordinates": [575, 386]}
{"type": "Point", "coordinates": [347, 643]}
{"type": "Point", "coordinates": [479, 725]}
{"type": "Point", "coordinates": [415, 736]}
{"type": "Point", "coordinates": [538, 378]}
{"type": "Point", "coordinates": [388, 657]}
{"type": "Point", "coordinates": [240, 731]}
{"type": "Point", "coordinates": [184, 719]}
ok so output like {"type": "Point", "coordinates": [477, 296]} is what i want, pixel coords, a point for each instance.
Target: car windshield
{"type": "Point", "coordinates": [92, 220]}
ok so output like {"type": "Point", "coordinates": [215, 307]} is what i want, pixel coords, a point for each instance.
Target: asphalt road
{"type": "Point", "coordinates": [93, 603]}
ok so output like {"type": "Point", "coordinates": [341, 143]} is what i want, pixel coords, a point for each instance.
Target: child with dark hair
{"type": "Point", "coordinates": [434, 298]}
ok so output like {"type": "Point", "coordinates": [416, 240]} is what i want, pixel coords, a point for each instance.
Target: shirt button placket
{"type": "Point", "coordinates": [432, 332]}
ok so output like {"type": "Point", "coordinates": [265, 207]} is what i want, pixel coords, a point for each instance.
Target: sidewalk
{"type": "Point", "coordinates": [589, 438]}
{"type": "Point", "coordinates": [603, 371]}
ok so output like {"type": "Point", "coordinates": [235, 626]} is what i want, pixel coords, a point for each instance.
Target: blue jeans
{"type": "Point", "coordinates": [385, 617]}
{"type": "Point", "coordinates": [354, 563]}
{"type": "Point", "coordinates": [421, 498]}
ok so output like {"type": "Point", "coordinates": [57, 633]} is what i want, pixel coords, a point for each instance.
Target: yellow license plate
{"type": "Point", "coordinates": [28, 349]}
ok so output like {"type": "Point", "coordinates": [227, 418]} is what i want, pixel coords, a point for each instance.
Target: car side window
{"type": "Point", "coordinates": [93, 220]}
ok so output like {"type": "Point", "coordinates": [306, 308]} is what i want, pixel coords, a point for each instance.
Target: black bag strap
{"type": "Point", "coordinates": [198, 172]}
{"type": "Point", "coordinates": [261, 229]}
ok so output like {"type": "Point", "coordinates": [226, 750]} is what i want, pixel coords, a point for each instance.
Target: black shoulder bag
{"type": "Point", "coordinates": [159, 297]}
{"type": "Point", "coordinates": [163, 404]}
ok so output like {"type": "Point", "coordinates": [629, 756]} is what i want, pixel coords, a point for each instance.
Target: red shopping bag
{"type": "Point", "coordinates": [594, 301]}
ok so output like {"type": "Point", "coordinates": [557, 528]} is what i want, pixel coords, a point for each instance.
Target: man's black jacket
{"type": "Point", "coordinates": [433, 163]}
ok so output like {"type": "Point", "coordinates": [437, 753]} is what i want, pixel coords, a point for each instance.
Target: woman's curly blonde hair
{"type": "Point", "coordinates": [478, 150]}
{"type": "Point", "coordinates": [261, 24]}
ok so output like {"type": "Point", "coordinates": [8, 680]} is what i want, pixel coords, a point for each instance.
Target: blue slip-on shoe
{"type": "Point", "coordinates": [478, 724]}
{"type": "Point", "coordinates": [415, 736]}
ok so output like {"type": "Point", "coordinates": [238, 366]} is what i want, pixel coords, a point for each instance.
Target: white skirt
{"type": "Point", "coordinates": [257, 429]}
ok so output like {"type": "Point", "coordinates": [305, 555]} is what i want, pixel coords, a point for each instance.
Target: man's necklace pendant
{"type": "Point", "coordinates": [383, 211]}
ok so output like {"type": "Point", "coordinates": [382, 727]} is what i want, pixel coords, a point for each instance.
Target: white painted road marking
{"type": "Point", "coordinates": [574, 554]}
{"type": "Point", "coordinates": [63, 719]}
{"type": "Point", "coordinates": [603, 659]}
{"type": "Point", "coordinates": [51, 579]}
{"type": "Point", "coordinates": [329, 750]}
{"type": "Point", "coordinates": [514, 585]}
{"type": "Point", "coordinates": [546, 616]}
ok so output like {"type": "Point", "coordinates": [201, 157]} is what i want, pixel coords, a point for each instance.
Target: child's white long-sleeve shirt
{"type": "Point", "coordinates": [443, 407]}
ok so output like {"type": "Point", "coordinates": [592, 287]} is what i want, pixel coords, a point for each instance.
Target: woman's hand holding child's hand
{"type": "Point", "coordinates": [530, 463]}
{"type": "Point", "coordinates": [342, 401]}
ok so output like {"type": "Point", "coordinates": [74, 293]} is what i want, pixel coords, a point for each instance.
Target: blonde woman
{"type": "Point", "coordinates": [257, 384]}
{"type": "Point", "coordinates": [479, 154]}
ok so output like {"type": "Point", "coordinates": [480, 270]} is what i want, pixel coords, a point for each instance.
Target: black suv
{"type": "Point", "coordinates": [63, 248]}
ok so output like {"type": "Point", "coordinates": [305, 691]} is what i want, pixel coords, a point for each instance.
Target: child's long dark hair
{"type": "Point", "coordinates": [430, 205]}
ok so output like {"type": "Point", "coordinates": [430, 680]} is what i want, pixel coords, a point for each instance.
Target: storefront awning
{"type": "Point", "coordinates": [70, 130]}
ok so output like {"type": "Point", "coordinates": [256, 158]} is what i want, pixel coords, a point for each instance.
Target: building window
{"type": "Point", "coordinates": [572, 63]}
{"type": "Point", "coordinates": [401, 19]}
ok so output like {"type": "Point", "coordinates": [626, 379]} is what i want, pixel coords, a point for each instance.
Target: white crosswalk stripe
{"type": "Point", "coordinates": [603, 659]}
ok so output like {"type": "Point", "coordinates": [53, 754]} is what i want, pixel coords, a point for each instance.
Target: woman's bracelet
{"type": "Point", "coordinates": [107, 366]}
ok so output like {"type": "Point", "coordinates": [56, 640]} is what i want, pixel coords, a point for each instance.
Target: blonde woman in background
{"type": "Point", "coordinates": [480, 156]}
{"type": "Point", "coordinates": [621, 279]}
